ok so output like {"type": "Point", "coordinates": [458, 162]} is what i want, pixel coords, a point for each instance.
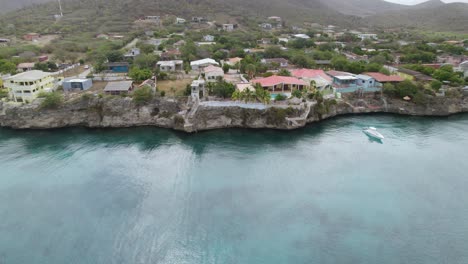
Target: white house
{"type": "Point", "coordinates": [132, 53]}
{"type": "Point", "coordinates": [180, 20]}
{"type": "Point", "coordinates": [301, 36]}
{"type": "Point", "coordinates": [266, 26]}
{"type": "Point", "coordinates": [24, 87]}
{"type": "Point", "coordinates": [464, 68]}
{"type": "Point", "coordinates": [208, 38]}
{"type": "Point", "coordinates": [170, 66]}
{"type": "Point", "coordinates": [213, 73]}
{"type": "Point", "coordinates": [365, 81]}
{"type": "Point", "coordinates": [200, 64]}
{"type": "Point", "coordinates": [364, 36]}
{"type": "Point", "coordinates": [228, 27]}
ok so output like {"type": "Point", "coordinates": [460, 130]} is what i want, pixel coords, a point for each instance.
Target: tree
{"type": "Point", "coordinates": [273, 52]}
{"type": "Point", "coordinates": [436, 85]}
{"type": "Point", "coordinates": [114, 55]}
{"type": "Point", "coordinates": [7, 67]}
{"type": "Point", "coordinates": [146, 48]}
{"type": "Point", "coordinates": [250, 69]}
{"type": "Point", "coordinates": [140, 75]}
{"type": "Point", "coordinates": [142, 95]}
{"type": "Point", "coordinates": [145, 61]}
{"type": "Point", "coordinates": [222, 89]}
{"type": "Point", "coordinates": [284, 72]}
{"type": "Point", "coordinates": [51, 100]}
{"type": "Point", "coordinates": [226, 67]}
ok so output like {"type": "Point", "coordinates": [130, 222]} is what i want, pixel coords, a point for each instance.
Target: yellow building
{"type": "Point", "coordinates": [25, 87]}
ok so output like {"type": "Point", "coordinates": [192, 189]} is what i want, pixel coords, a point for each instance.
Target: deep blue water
{"type": "Point", "coordinates": [323, 194]}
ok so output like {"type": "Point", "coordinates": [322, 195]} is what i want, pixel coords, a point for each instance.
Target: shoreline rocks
{"type": "Point", "coordinates": [117, 112]}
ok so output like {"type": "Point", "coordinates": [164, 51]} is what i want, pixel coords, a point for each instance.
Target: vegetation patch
{"type": "Point", "coordinates": [51, 100]}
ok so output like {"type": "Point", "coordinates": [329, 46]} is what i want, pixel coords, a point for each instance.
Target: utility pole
{"type": "Point", "coordinates": [60, 6]}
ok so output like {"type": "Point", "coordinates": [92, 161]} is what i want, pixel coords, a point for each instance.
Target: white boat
{"type": "Point", "coordinates": [372, 132]}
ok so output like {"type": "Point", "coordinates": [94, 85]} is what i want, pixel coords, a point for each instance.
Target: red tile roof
{"type": "Point", "coordinates": [275, 80]}
{"type": "Point", "coordinates": [380, 77]}
{"type": "Point", "coordinates": [308, 73]}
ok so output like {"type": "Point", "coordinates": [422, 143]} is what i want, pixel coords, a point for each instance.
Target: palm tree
{"type": "Point", "coordinates": [250, 70]}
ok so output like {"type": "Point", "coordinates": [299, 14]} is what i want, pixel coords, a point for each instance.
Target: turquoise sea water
{"type": "Point", "coordinates": [323, 194]}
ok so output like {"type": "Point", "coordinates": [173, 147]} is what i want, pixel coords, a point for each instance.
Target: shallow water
{"type": "Point", "coordinates": [323, 194]}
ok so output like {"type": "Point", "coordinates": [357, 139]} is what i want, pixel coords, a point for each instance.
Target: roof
{"type": "Point", "coordinates": [76, 80]}
{"type": "Point", "coordinates": [380, 77]}
{"type": "Point", "coordinates": [30, 75]}
{"type": "Point", "coordinates": [169, 63]}
{"type": "Point", "coordinates": [276, 60]}
{"type": "Point", "coordinates": [364, 77]}
{"type": "Point", "coordinates": [234, 60]}
{"type": "Point", "coordinates": [308, 73]}
{"type": "Point", "coordinates": [323, 62]}
{"type": "Point", "coordinates": [275, 80]}
{"type": "Point", "coordinates": [203, 61]}
{"type": "Point", "coordinates": [242, 86]}
{"type": "Point", "coordinates": [113, 64]}
{"type": "Point", "coordinates": [345, 77]}
{"type": "Point", "coordinates": [339, 73]}
{"type": "Point", "coordinates": [303, 36]}
{"type": "Point", "coordinates": [26, 65]}
{"type": "Point", "coordinates": [118, 86]}
{"type": "Point", "coordinates": [213, 69]}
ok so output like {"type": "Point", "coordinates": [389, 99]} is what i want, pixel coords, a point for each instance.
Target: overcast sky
{"type": "Point", "coordinates": [411, 2]}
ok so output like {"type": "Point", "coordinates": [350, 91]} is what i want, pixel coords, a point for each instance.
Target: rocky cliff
{"type": "Point", "coordinates": [167, 113]}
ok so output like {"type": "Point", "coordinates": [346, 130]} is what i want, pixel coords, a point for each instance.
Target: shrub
{"type": "Point", "coordinates": [179, 120]}
{"type": "Point", "coordinates": [436, 85]}
{"type": "Point", "coordinates": [51, 100]}
{"type": "Point", "coordinates": [280, 97]}
{"type": "Point", "coordinates": [163, 93]}
{"type": "Point", "coordinates": [3, 93]}
{"type": "Point", "coordinates": [297, 93]}
{"type": "Point", "coordinates": [142, 95]}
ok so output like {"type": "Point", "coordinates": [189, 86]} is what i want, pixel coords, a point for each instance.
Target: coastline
{"type": "Point", "coordinates": [177, 114]}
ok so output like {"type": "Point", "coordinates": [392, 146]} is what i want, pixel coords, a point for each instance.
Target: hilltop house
{"type": "Point", "coordinates": [464, 68]}
{"type": "Point", "coordinates": [365, 81]}
{"type": "Point", "coordinates": [198, 19]}
{"type": "Point", "coordinates": [228, 27]}
{"type": "Point", "coordinates": [132, 53]}
{"type": "Point", "coordinates": [208, 38]}
{"type": "Point", "coordinates": [301, 36]}
{"type": "Point", "coordinates": [77, 84]}
{"type": "Point", "coordinates": [213, 73]}
{"type": "Point", "coordinates": [233, 61]}
{"type": "Point", "coordinates": [343, 79]}
{"type": "Point", "coordinates": [200, 64]}
{"type": "Point", "coordinates": [117, 67]}
{"type": "Point", "coordinates": [321, 79]}
{"type": "Point", "coordinates": [32, 36]}
{"type": "Point", "coordinates": [266, 26]}
{"type": "Point", "coordinates": [153, 19]}
{"type": "Point", "coordinates": [24, 87]}
{"type": "Point", "coordinates": [4, 42]}
{"type": "Point", "coordinates": [180, 20]}
{"type": "Point", "coordinates": [381, 79]}
{"type": "Point", "coordinates": [280, 83]}
{"type": "Point", "coordinates": [276, 62]}
{"type": "Point", "coordinates": [170, 66]}
{"type": "Point", "coordinates": [118, 88]}
{"type": "Point", "coordinates": [265, 41]}
{"type": "Point", "coordinates": [25, 66]}
{"type": "Point", "coordinates": [171, 54]}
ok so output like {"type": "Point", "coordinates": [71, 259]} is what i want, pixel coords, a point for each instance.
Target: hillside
{"type": "Point", "coordinates": [118, 15]}
{"type": "Point", "coordinates": [362, 7]}
{"type": "Point", "coordinates": [432, 16]}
